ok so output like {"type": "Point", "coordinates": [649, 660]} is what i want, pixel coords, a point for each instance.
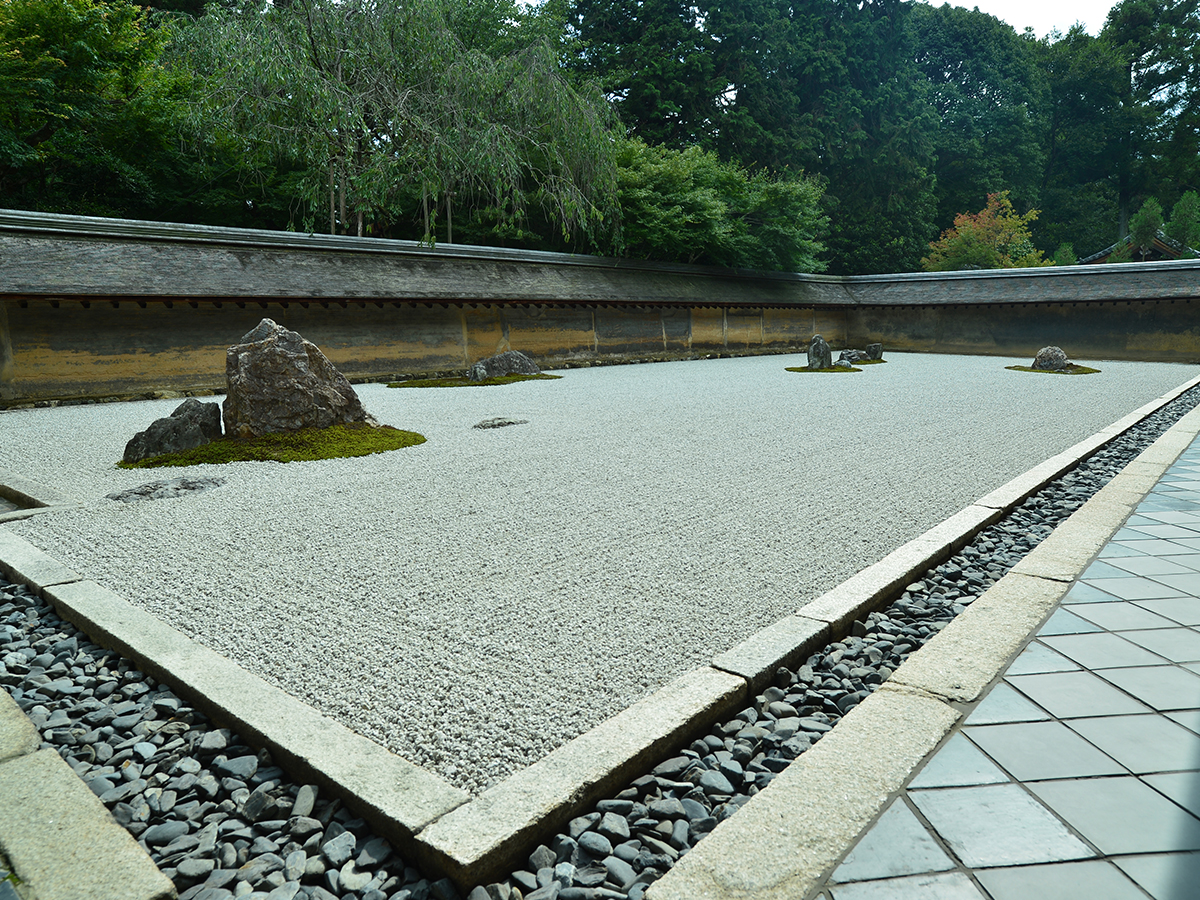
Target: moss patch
{"type": "Point", "coordinates": [1069, 370]}
{"type": "Point", "coordinates": [870, 362]}
{"type": "Point", "coordinates": [336, 442]}
{"type": "Point", "coordinates": [817, 371]}
{"type": "Point", "coordinates": [462, 381]}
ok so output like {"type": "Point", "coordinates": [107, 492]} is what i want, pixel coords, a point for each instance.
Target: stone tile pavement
{"type": "Point", "coordinates": [1078, 775]}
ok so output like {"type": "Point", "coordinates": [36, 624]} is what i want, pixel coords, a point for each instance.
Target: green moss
{"type": "Point", "coordinates": [336, 442]}
{"type": "Point", "coordinates": [1069, 370]}
{"type": "Point", "coordinates": [870, 362]}
{"type": "Point", "coordinates": [462, 381]}
{"type": "Point", "coordinates": [830, 369]}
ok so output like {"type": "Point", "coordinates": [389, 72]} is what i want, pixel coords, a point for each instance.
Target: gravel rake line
{"type": "Point", "coordinates": [223, 822]}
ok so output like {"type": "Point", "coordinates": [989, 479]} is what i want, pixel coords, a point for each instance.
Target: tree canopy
{"type": "Point", "coordinates": [997, 237]}
{"type": "Point", "coordinates": [836, 134]}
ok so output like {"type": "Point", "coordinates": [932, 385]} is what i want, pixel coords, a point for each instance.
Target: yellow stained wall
{"type": "Point", "coordinates": [64, 349]}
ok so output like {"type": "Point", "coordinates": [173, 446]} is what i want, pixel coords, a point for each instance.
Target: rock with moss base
{"type": "Point", "coordinates": [1052, 358]}
{"type": "Point", "coordinates": [193, 424]}
{"type": "Point", "coordinates": [874, 351]}
{"type": "Point", "coordinates": [819, 354]}
{"type": "Point", "coordinates": [279, 382]}
{"type": "Point", "coordinates": [512, 362]}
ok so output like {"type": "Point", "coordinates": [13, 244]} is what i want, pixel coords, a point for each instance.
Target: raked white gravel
{"type": "Point", "coordinates": [478, 600]}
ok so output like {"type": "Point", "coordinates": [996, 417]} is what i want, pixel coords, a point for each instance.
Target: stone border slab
{"type": "Point", "coordinates": [398, 797]}
{"type": "Point", "coordinates": [476, 843]}
{"type": "Point", "coordinates": [791, 834]}
{"type": "Point", "coordinates": [23, 563]}
{"type": "Point", "coordinates": [34, 498]}
{"type": "Point", "coordinates": [55, 834]}
{"type": "Point", "coordinates": [815, 807]}
{"type": "Point", "coordinates": [762, 653]}
{"type": "Point", "coordinates": [473, 840]}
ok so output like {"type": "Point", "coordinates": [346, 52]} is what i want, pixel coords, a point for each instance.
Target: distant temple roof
{"type": "Point", "coordinates": [1163, 248]}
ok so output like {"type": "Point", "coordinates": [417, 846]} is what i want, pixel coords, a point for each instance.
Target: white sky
{"type": "Point", "coordinates": [1043, 16]}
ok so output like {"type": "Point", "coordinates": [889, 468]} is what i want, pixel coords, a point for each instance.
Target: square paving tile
{"type": "Point", "coordinates": [1091, 879]}
{"type": "Point", "coordinates": [1184, 610]}
{"type": "Point", "coordinates": [1192, 544]}
{"type": "Point", "coordinates": [1085, 593]}
{"type": "Point", "coordinates": [1114, 550]}
{"type": "Point", "coordinates": [1104, 650]}
{"type": "Point", "coordinates": [898, 844]}
{"type": "Point", "coordinates": [1182, 517]}
{"type": "Point", "coordinates": [1101, 569]}
{"type": "Point", "coordinates": [1191, 560]}
{"type": "Point", "coordinates": [1166, 876]}
{"type": "Point", "coordinates": [1173, 517]}
{"type": "Point", "coordinates": [1122, 616]}
{"type": "Point", "coordinates": [1037, 657]}
{"type": "Point", "coordinates": [1147, 565]}
{"type": "Point", "coordinates": [1185, 584]}
{"type": "Point", "coordinates": [1037, 751]}
{"type": "Point", "coordinates": [946, 886]}
{"type": "Point", "coordinates": [1188, 718]}
{"type": "Point", "coordinates": [958, 763]}
{"type": "Point", "coordinates": [1143, 744]}
{"type": "Point", "coordinates": [1120, 815]}
{"type": "Point", "coordinates": [1076, 694]}
{"type": "Point", "coordinates": [1003, 704]}
{"type": "Point", "coordinates": [1168, 532]}
{"type": "Point", "coordinates": [1062, 621]}
{"type": "Point", "coordinates": [1133, 588]}
{"type": "Point", "coordinates": [1154, 546]}
{"type": "Point", "coordinates": [998, 825]}
{"type": "Point", "coordinates": [1176, 644]}
{"type": "Point", "coordinates": [1162, 687]}
{"type": "Point", "coordinates": [1182, 787]}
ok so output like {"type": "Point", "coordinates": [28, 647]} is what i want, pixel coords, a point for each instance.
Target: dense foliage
{"type": "Point", "coordinates": [838, 134]}
{"type": "Point", "coordinates": [997, 237]}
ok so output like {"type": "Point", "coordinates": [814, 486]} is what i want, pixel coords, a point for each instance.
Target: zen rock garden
{"type": "Point", "coordinates": [820, 357]}
{"type": "Point", "coordinates": [276, 382]}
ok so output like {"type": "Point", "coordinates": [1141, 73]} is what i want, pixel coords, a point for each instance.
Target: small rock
{"type": "Point", "coordinates": [512, 362]}
{"type": "Point", "coordinates": [819, 354]}
{"type": "Point", "coordinates": [1052, 358]}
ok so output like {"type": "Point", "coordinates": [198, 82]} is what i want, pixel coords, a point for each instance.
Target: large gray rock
{"type": "Point", "coordinates": [819, 354]}
{"type": "Point", "coordinates": [193, 424]}
{"type": "Point", "coordinates": [874, 351]}
{"type": "Point", "coordinates": [277, 381]}
{"type": "Point", "coordinates": [512, 362]}
{"type": "Point", "coordinates": [1051, 358]}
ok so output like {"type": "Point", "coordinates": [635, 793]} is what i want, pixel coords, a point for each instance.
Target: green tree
{"type": "Point", "coordinates": [990, 98]}
{"type": "Point", "coordinates": [1145, 224]}
{"type": "Point", "coordinates": [997, 237]}
{"type": "Point", "coordinates": [689, 206]}
{"type": "Point", "coordinates": [1085, 79]}
{"type": "Point", "coordinates": [1065, 255]}
{"type": "Point", "coordinates": [655, 60]}
{"type": "Point", "coordinates": [830, 88]}
{"type": "Point", "coordinates": [1159, 116]}
{"type": "Point", "coordinates": [389, 111]}
{"type": "Point", "coordinates": [1184, 226]}
{"type": "Point", "coordinates": [86, 111]}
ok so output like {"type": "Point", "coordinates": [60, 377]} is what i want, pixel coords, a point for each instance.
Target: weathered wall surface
{"type": "Point", "coordinates": [94, 307]}
{"type": "Point", "coordinates": [63, 349]}
{"type": "Point", "coordinates": [1153, 330]}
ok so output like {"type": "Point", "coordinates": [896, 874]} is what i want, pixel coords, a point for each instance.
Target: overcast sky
{"type": "Point", "coordinates": [1043, 16]}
